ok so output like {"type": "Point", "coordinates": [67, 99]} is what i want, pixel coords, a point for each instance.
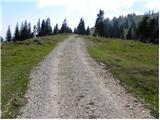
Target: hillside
{"type": "Point", "coordinates": [136, 69]}
{"type": "Point", "coordinates": [134, 63]}
{"type": "Point", "coordinates": [80, 59]}
{"type": "Point", "coordinates": [18, 59]}
{"type": "Point", "coordinates": [138, 18]}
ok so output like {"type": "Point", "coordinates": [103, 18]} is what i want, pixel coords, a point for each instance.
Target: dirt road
{"type": "Point", "coordinates": [70, 84]}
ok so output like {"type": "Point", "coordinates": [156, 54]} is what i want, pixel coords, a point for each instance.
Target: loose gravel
{"type": "Point", "coordinates": [68, 83]}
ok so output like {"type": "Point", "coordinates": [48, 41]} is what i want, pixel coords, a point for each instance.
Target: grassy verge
{"type": "Point", "coordinates": [134, 63]}
{"type": "Point", "coordinates": [17, 61]}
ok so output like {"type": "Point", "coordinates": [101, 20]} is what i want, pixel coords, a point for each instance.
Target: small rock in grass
{"type": "Point", "coordinates": [19, 101]}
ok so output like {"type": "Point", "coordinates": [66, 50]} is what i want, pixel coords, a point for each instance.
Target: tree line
{"type": "Point", "coordinates": [147, 30]}
{"type": "Point", "coordinates": [124, 27]}
{"type": "Point", "coordinates": [41, 29]}
{"type": "Point", "coordinates": [20, 34]}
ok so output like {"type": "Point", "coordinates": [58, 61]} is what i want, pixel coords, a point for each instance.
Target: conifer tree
{"type": "Point", "coordinates": [38, 27]}
{"type": "Point", "coordinates": [64, 28]}
{"type": "Point", "coordinates": [2, 40]}
{"type": "Point", "coordinates": [99, 26]}
{"type": "Point", "coordinates": [144, 29]}
{"type": "Point", "coordinates": [115, 28]}
{"type": "Point", "coordinates": [81, 27]}
{"type": "Point", "coordinates": [35, 32]}
{"type": "Point", "coordinates": [48, 27]}
{"type": "Point", "coordinates": [56, 29]}
{"type": "Point", "coordinates": [29, 32]}
{"type": "Point", "coordinates": [43, 28]}
{"type": "Point", "coordinates": [107, 27]}
{"type": "Point", "coordinates": [134, 31]}
{"type": "Point", "coordinates": [129, 34]}
{"type": "Point", "coordinates": [121, 31]}
{"type": "Point", "coordinates": [87, 31]}
{"type": "Point", "coordinates": [8, 35]}
{"type": "Point", "coordinates": [26, 35]}
{"type": "Point", "coordinates": [17, 33]}
{"type": "Point", "coordinates": [75, 30]}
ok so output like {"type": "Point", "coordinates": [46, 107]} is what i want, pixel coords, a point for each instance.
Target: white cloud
{"type": "Point", "coordinates": [74, 9]}
{"type": "Point", "coordinates": [87, 8]}
{"type": "Point", "coordinates": [82, 6]}
{"type": "Point", "coordinates": [154, 4]}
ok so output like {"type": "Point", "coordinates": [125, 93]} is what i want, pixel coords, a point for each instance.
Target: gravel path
{"type": "Point", "coordinates": [70, 84]}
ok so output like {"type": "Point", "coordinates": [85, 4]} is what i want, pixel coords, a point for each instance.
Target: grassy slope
{"type": "Point", "coordinates": [17, 61]}
{"type": "Point", "coordinates": [135, 64]}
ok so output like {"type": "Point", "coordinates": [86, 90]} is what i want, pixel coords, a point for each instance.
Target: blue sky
{"type": "Point", "coordinates": [13, 11]}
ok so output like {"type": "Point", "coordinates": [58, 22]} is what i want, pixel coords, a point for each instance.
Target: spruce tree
{"type": "Point", "coordinates": [81, 27]}
{"type": "Point", "coordinates": [99, 26]}
{"type": "Point", "coordinates": [75, 30]}
{"type": "Point", "coordinates": [48, 27]}
{"type": "Point", "coordinates": [29, 32]}
{"type": "Point", "coordinates": [126, 24]}
{"type": "Point", "coordinates": [144, 29]}
{"type": "Point", "coordinates": [17, 33]}
{"type": "Point", "coordinates": [8, 35]}
{"type": "Point", "coordinates": [25, 30]}
{"type": "Point", "coordinates": [107, 26]}
{"type": "Point", "coordinates": [129, 34]}
{"type": "Point", "coordinates": [69, 30]}
{"type": "Point", "coordinates": [21, 31]}
{"type": "Point", "coordinates": [35, 32]}
{"type": "Point", "coordinates": [134, 31]}
{"type": "Point", "coordinates": [43, 28]}
{"type": "Point", "coordinates": [121, 31]}
{"type": "Point", "coordinates": [64, 28]}
{"type": "Point", "coordinates": [154, 30]}
{"type": "Point", "coordinates": [115, 28]}
{"type": "Point", "coordinates": [2, 40]}
{"type": "Point", "coordinates": [56, 29]}
{"type": "Point", "coordinates": [38, 27]}
{"type": "Point", "coordinates": [87, 31]}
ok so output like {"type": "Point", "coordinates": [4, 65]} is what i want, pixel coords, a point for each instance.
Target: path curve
{"type": "Point", "coordinates": [68, 83]}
